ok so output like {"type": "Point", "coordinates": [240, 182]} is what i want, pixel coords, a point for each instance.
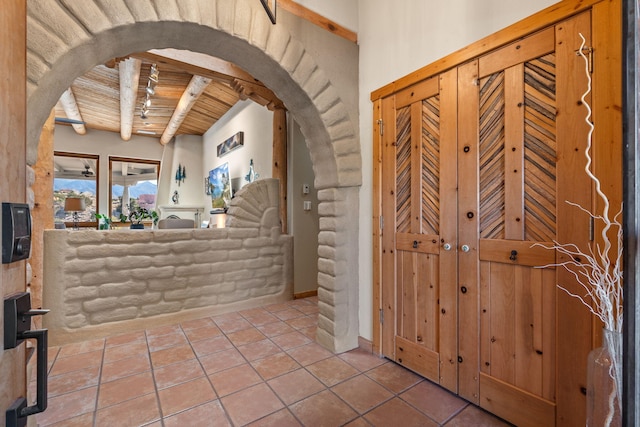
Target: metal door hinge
{"type": "Point", "coordinates": [588, 52]}
{"type": "Point", "coordinates": [381, 222]}
{"type": "Point", "coordinates": [381, 316]}
{"type": "Point", "coordinates": [381, 126]}
{"type": "Point", "coordinates": [591, 230]}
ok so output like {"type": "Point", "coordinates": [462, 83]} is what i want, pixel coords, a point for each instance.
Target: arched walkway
{"type": "Point", "coordinates": [67, 38]}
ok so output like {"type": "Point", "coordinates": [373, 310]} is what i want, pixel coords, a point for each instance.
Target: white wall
{"type": "Point", "coordinates": [187, 152]}
{"type": "Point", "coordinates": [106, 144]}
{"type": "Point", "coordinates": [395, 39]}
{"type": "Point", "coordinates": [343, 12]}
{"type": "Point", "coordinates": [257, 124]}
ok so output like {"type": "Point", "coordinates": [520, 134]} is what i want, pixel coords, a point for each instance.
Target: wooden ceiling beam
{"type": "Point", "coordinates": [129, 73]}
{"type": "Point", "coordinates": [215, 69]}
{"type": "Point", "coordinates": [70, 107]}
{"type": "Point", "coordinates": [196, 86]}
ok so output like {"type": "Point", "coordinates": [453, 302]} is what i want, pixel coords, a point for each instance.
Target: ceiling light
{"type": "Point", "coordinates": [150, 90]}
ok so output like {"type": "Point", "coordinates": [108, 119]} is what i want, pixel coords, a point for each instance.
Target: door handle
{"type": "Point", "coordinates": [17, 328]}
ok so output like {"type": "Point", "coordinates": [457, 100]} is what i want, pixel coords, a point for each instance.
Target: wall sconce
{"type": "Point", "coordinates": [75, 205]}
{"type": "Point", "coordinates": [181, 174]}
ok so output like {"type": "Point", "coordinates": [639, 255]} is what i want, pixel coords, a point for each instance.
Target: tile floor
{"type": "Point", "coordinates": [258, 367]}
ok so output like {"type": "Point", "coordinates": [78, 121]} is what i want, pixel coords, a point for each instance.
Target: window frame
{"type": "Point", "coordinates": [115, 221]}
{"type": "Point", "coordinates": [96, 158]}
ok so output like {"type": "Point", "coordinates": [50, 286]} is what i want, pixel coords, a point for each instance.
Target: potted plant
{"type": "Point", "coordinates": [104, 221]}
{"type": "Point", "coordinates": [138, 214]}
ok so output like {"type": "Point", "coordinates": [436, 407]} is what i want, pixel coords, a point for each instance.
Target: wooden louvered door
{"type": "Point", "coordinates": [516, 171]}
{"type": "Point", "coordinates": [476, 166]}
{"type": "Point", "coordinates": [419, 170]}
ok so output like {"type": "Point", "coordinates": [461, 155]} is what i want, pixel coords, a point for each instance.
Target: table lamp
{"type": "Point", "coordinates": [75, 205]}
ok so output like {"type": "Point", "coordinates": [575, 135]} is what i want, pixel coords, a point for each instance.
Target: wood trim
{"type": "Point", "coordinates": [376, 212]}
{"type": "Point", "coordinates": [317, 19]}
{"type": "Point", "coordinates": [529, 25]}
{"type": "Point", "coordinates": [307, 294]}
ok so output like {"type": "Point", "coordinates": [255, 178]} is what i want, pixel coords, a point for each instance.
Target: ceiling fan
{"type": "Point", "coordinates": [86, 171]}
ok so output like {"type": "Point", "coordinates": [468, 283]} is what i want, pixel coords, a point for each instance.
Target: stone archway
{"type": "Point", "coordinates": [67, 38]}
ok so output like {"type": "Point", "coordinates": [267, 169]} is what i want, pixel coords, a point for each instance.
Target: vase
{"type": "Point", "coordinates": [137, 226]}
{"type": "Point", "coordinates": [604, 382]}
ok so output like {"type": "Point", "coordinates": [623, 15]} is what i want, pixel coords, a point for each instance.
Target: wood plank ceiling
{"type": "Point", "coordinates": [97, 95]}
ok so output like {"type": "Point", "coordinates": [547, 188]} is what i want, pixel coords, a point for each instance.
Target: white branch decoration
{"type": "Point", "coordinates": [599, 273]}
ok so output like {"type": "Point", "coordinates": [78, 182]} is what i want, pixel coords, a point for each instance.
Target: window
{"type": "Point", "coordinates": [132, 182]}
{"type": "Point", "coordinates": [75, 175]}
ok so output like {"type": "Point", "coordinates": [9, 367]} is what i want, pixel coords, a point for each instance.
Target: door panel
{"type": "Point", "coordinates": [424, 309]}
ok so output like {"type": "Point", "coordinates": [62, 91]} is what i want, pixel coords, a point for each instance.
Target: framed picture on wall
{"type": "Point", "coordinates": [220, 187]}
{"type": "Point", "coordinates": [233, 143]}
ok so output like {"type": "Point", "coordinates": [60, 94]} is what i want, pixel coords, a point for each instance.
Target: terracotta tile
{"type": "Point", "coordinates": [331, 371]}
{"type": "Point", "coordinates": [245, 336]}
{"type": "Point", "coordinates": [186, 395]}
{"type": "Point", "coordinates": [291, 340]}
{"type": "Point", "coordinates": [434, 401]}
{"type": "Point", "coordinates": [130, 338]}
{"type": "Point", "coordinates": [362, 393]}
{"type": "Point", "coordinates": [177, 373]}
{"type": "Point", "coordinates": [474, 416]}
{"type": "Point", "coordinates": [203, 333]}
{"type": "Point", "coordinates": [127, 388]}
{"type": "Point", "coordinates": [208, 415]}
{"type": "Point", "coordinates": [282, 418]}
{"type": "Point", "coordinates": [275, 365]}
{"type": "Point", "coordinates": [258, 350]}
{"type": "Point", "coordinates": [160, 342]}
{"type": "Point", "coordinates": [323, 406]}
{"type": "Point", "coordinates": [81, 347]}
{"type": "Point", "coordinates": [112, 354]}
{"type": "Point", "coordinates": [310, 353]}
{"type": "Point", "coordinates": [302, 322]}
{"type": "Point", "coordinates": [125, 367]}
{"type": "Point", "coordinates": [310, 310]}
{"type": "Point", "coordinates": [234, 379]}
{"type": "Point", "coordinates": [273, 308]}
{"type": "Point", "coordinates": [263, 402]}
{"type": "Point", "coordinates": [394, 377]}
{"type": "Point", "coordinates": [221, 360]}
{"type": "Point", "coordinates": [389, 414]}
{"type": "Point", "coordinates": [275, 328]}
{"type": "Point", "coordinates": [171, 355]}
{"type": "Point", "coordinates": [85, 420]}
{"type": "Point", "coordinates": [72, 381]}
{"type": "Point", "coordinates": [253, 312]}
{"type": "Point", "coordinates": [196, 324]}
{"type": "Point", "coordinates": [361, 360]}
{"type": "Point", "coordinates": [68, 406]}
{"type": "Point", "coordinates": [310, 332]}
{"type": "Point", "coordinates": [163, 330]}
{"type": "Point", "coordinates": [296, 386]}
{"type": "Point", "coordinates": [358, 422]}
{"type": "Point", "coordinates": [234, 315]}
{"type": "Point", "coordinates": [135, 412]}
{"type": "Point", "coordinates": [77, 362]}
{"type": "Point", "coordinates": [262, 319]}
{"type": "Point", "coordinates": [228, 326]}
{"type": "Point", "coordinates": [211, 345]}
{"type": "Point", "coordinates": [290, 313]}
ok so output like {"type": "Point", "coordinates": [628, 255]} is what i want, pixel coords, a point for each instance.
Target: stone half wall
{"type": "Point", "coordinates": [101, 283]}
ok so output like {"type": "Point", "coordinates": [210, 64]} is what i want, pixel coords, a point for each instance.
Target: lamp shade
{"type": "Point", "coordinates": [74, 204]}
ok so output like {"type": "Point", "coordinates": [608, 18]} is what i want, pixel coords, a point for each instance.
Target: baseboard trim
{"type": "Point", "coordinates": [306, 294]}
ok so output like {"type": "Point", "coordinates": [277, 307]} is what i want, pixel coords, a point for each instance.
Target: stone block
{"type": "Point", "coordinates": [103, 276]}
{"type": "Point", "coordinates": [161, 307]}
{"type": "Point", "coordinates": [121, 289]}
{"type": "Point", "coordinates": [129, 262]}
{"type": "Point", "coordinates": [114, 315]}
{"type": "Point", "coordinates": [100, 304]}
{"type": "Point", "coordinates": [76, 321]}
{"type": "Point", "coordinates": [84, 265]}
{"type": "Point", "coordinates": [244, 254]}
{"type": "Point", "coordinates": [172, 260]}
{"type": "Point", "coordinates": [167, 283]}
{"type": "Point", "coordinates": [153, 273]}
{"type": "Point", "coordinates": [138, 300]}
{"type": "Point", "coordinates": [190, 246]}
{"type": "Point", "coordinates": [193, 270]}
{"type": "Point", "coordinates": [80, 293]}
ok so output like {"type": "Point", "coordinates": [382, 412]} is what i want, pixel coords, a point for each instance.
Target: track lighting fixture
{"type": "Point", "coordinates": [149, 91]}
